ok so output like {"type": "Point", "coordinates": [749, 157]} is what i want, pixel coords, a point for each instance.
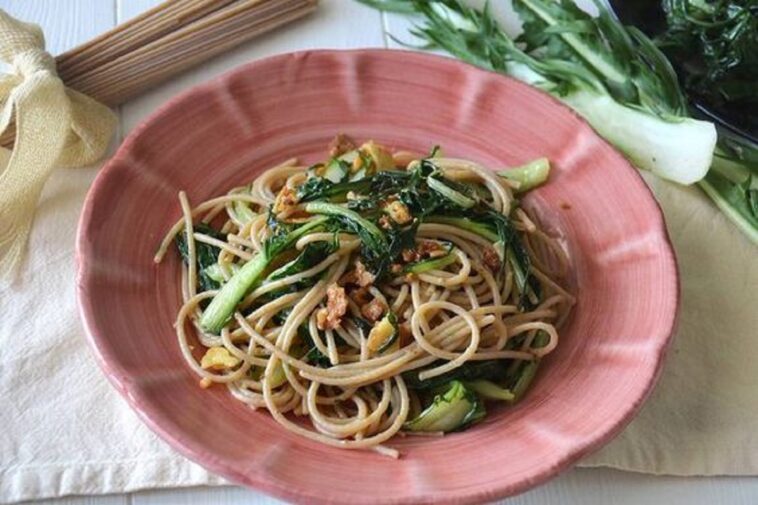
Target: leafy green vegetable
{"type": "Point", "coordinates": [714, 45]}
{"type": "Point", "coordinates": [490, 379]}
{"type": "Point", "coordinates": [277, 378]}
{"type": "Point", "coordinates": [317, 358]}
{"type": "Point", "coordinates": [456, 197]}
{"type": "Point", "coordinates": [612, 75]}
{"type": "Point", "coordinates": [490, 391]}
{"type": "Point", "coordinates": [732, 183]}
{"type": "Point", "coordinates": [311, 255]}
{"type": "Point", "coordinates": [606, 73]}
{"type": "Point", "coordinates": [496, 227]}
{"type": "Point", "coordinates": [528, 176]}
{"type": "Point", "coordinates": [524, 373]}
{"type": "Point", "coordinates": [241, 211]}
{"type": "Point", "coordinates": [223, 304]}
{"type": "Point", "coordinates": [527, 372]}
{"type": "Point", "coordinates": [218, 274]}
{"type": "Point", "coordinates": [318, 188]}
{"type": "Point", "coordinates": [303, 347]}
{"type": "Point", "coordinates": [471, 224]}
{"type": "Point", "coordinates": [438, 263]}
{"type": "Point", "coordinates": [374, 244]}
{"type": "Point", "coordinates": [336, 171]}
{"type": "Point", "coordinates": [401, 238]}
{"type": "Point", "coordinates": [470, 371]}
{"type": "Point", "coordinates": [455, 409]}
{"type": "Point", "coordinates": [381, 183]}
{"type": "Point", "coordinates": [378, 248]}
{"type": "Point", "coordinates": [215, 273]}
{"type": "Point", "coordinates": [313, 355]}
{"type": "Point", "coordinates": [738, 201]}
{"type": "Point", "coordinates": [206, 256]}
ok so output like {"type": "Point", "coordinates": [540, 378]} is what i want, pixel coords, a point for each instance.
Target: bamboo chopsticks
{"type": "Point", "coordinates": [173, 36]}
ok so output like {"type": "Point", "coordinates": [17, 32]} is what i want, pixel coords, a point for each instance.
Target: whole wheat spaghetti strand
{"type": "Point", "coordinates": [121, 78]}
{"type": "Point", "coordinates": [148, 26]}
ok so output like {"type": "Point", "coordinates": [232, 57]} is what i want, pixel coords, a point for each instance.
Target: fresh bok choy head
{"type": "Point", "coordinates": [612, 75]}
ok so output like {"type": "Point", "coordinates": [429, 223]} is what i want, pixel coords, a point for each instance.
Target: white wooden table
{"type": "Point", "coordinates": [337, 24]}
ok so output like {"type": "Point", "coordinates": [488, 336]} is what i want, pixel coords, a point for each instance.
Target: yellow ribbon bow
{"type": "Point", "coordinates": [55, 126]}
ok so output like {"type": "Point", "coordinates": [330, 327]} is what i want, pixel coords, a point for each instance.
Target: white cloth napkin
{"type": "Point", "coordinates": [65, 430]}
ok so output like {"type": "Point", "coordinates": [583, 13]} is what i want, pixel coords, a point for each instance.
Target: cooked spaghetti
{"type": "Point", "coordinates": [372, 295]}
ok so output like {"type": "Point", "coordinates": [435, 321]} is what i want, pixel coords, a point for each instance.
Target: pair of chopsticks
{"type": "Point", "coordinates": [160, 43]}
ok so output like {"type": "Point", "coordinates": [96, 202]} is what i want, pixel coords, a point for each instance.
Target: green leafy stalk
{"type": "Point", "coordinates": [611, 76]}
{"type": "Point", "coordinates": [734, 190]}
{"type": "Point", "coordinates": [206, 256]}
{"type": "Point", "coordinates": [490, 391]}
{"type": "Point", "coordinates": [318, 188]}
{"type": "Point", "coordinates": [482, 229]}
{"type": "Point", "coordinates": [521, 377]}
{"type": "Point", "coordinates": [454, 409]}
{"type": "Point", "coordinates": [526, 375]}
{"type": "Point", "coordinates": [312, 254]}
{"type": "Point", "coordinates": [470, 371]}
{"type": "Point", "coordinates": [374, 245]}
{"type": "Point", "coordinates": [364, 227]}
{"type": "Point", "coordinates": [528, 176]}
{"type": "Point", "coordinates": [223, 304]}
{"type": "Point", "coordinates": [456, 197]}
{"type": "Point", "coordinates": [498, 229]}
{"type": "Point", "coordinates": [420, 267]}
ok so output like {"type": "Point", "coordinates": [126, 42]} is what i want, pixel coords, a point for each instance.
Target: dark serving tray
{"type": "Point", "coordinates": [648, 16]}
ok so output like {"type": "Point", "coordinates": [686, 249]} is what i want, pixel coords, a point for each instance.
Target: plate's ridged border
{"type": "Point", "coordinates": [469, 98]}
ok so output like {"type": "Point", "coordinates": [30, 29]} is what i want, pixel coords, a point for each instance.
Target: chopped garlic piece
{"type": "Point", "coordinates": [399, 212]}
{"type": "Point", "coordinates": [382, 334]}
{"type": "Point", "coordinates": [218, 358]}
{"type": "Point", "coordinates": [380, 155]}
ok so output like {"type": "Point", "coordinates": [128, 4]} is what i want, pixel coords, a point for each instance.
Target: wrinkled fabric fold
{"type": "Point", "coordinates": [55, 127]}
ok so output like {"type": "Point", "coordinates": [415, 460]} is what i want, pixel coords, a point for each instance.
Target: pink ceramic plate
{"type": "Point", "coordinates": [223, 133]}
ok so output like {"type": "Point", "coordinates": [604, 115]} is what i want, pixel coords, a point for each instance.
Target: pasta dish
{"type": "Point", "coordinates": [375, 294]}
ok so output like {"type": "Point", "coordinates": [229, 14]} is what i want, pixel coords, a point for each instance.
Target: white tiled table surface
{"type": "Point", "coordinates": [337, 24]}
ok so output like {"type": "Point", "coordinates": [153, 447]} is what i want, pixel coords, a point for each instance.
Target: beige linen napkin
{"type": "Point", "coordinates": [66, 430]}
{"type": "Point", "coordinates": [701, 418]}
